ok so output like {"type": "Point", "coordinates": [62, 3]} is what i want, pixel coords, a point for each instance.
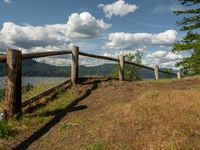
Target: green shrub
{"type": "Point", "coordinates": [27, 88]}
{"type": "Point", "coordinates": [5, 130]}
{"type": "Point", "coordinates": [131, 72]}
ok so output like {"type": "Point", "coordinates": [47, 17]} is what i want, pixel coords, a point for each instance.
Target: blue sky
{"type": "Point", "coordinates": [112, 28]}
{"type": "Point", "coordinates": [41, 12]}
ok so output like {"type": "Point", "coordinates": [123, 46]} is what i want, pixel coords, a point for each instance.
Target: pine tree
{"type": "Point", "coordinates": [191, 42]}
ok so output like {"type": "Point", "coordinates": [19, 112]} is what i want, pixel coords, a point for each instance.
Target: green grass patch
{"type": "Point", "coordinates": [29, 91]}
{"type": "Point", "coordinates": [160, 81]}
{"type": "Point", "coordinates": [38, 117]}
{"type": "Point", "coordinates": [5, 130]}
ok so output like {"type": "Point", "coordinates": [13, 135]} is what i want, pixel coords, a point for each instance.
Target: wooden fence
{"type": "Point", "coordinates": [13, 60]}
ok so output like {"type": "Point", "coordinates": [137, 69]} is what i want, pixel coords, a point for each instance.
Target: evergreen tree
{"type": "Point", "coordinates": [191, 42]}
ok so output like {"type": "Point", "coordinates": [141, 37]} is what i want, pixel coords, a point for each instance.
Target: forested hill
{"type": "Point", "coordinates": [37, 69]}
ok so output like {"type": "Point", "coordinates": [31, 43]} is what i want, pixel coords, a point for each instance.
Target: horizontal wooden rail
{"type": "Point", "coordinates": [45, 54]}
{"type": "Point", "coordinates": [169, 73]}
{"type": "Point", "coordinates": [45, 93]}
{"type": "Point", "coordinates": [53, 53]}
{"type": "Point", "coordinates": [98, 57]}
{"type": "Point", "coordinates": [117, 60]}
{"type": "Point", "coordinates": [112, 59]}
{"type": "Point", "coordinates": [2, 58]}
{"type": "Point", "coordinates": [138, 65]}
{"type": "Point", "coordinates": [39, 54]}
{"type": "Point", "coordinates": [13, 59]}
{"type": "Point", "coordinates": [142, 66]}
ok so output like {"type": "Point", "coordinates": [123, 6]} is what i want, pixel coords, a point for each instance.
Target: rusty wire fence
{"type": "Point", "coordinates": [41, 74]}
{"type": "Point", "coordinates": [135, 73]}
{"type": "Point", "coordinates": [147, 74]}
{"type": "Point", "coordinates": [92, 67]}
{"type": "Point", "coordinates": [44, 72]}
{"type": "Point", "coordinates": [166, 74]}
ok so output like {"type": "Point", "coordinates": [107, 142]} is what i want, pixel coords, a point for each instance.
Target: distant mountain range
{"type": "Point", "coordinates": [32, 68]}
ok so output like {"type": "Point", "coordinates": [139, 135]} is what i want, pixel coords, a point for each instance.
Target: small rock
{"type": "Point", "coordinates": [2, 114]}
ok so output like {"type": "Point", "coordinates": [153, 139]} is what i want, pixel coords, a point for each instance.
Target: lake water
{"type": "Point", "coordinates": [35, 80]}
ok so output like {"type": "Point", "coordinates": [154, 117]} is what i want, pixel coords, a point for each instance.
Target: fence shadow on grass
{"type": "Point", "coordinates": [59, 114]}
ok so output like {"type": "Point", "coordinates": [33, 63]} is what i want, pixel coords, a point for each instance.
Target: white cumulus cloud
{"type": "Point", "coordinates": [85, 26]}
{"type": "Point", "coordinates": [123, 53]}
{"type": "Point", "coordinates": [162, 58]}
{"type": "Point", "coordinates": [165, 59]}
{"type": "Point", "coordinates": [79, 26]}
{"type": "Point", "coordinates": [121, 40]}
{"type": "Point", "coordinates": [31, 36]}
{"type": "Point", "coordinates": [165, 55]}
{"type": "Point", "coordinates": [166, 38]}
{"type": "Point", "coordinates": [118, 8]}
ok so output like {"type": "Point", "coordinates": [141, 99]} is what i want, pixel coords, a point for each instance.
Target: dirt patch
{"type": "Point", "coordinates": [122, 115]}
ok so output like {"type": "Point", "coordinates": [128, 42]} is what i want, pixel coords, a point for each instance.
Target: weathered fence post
{"type": "Point", "coordinates": [178, 75]}
{"type": "Point", "coordinates": [74, 65]}
{"type": "Point", "coordinates": [156, 69]}
{"type": "Point", "coordinates": [121, 67]}
{"type": "Point", "coordinates": [13, 82]}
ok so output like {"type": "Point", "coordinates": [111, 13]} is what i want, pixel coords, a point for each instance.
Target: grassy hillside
{"type": "Point", "coordinates": [109, 115]}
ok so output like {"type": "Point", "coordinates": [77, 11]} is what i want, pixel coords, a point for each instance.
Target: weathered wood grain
{"type": "Point", "coordinates": [74, 65]}
{"type": "Point", "coordinates": [13, 82]}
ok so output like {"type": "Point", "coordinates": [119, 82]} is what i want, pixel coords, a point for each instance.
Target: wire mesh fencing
{"type": "Point", "coordinates": [2, 84]}
{"type": "Point", "coordinates": [89, 66]}
{"type": "Point", "coordinates": [166, 75]}
{"type": "Point", "coordinates": [96, 67]}
{"type": "Point", "coordinates": [41, 74]}
{"type": "Point", "coordinates": [146, 74]}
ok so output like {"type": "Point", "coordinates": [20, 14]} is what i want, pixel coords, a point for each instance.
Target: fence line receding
{"type": "Point", "coordinates": [31, 76]}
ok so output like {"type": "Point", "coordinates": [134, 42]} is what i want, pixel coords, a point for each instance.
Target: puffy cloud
{"type": "Point", "coordinates": [165, 59]}
{"type": "Point", "coordinates": [82, 25]}
{"type": "Point", "coordinates": [165, 55]}
{"type": "Point", "coordinates": [166, 38]}
{"type": "Point", "coordinates": [121, 40]}
{"type": "Point", "coordinates": [157, 54]}
{"type": "Point", "coordinates": [118, 8]}
{"type": "Point", "coordinates": [56, 61]}
{"type": "Point", "coordinates": [60, 60]}
{"type": "Point", "coordinates": [118, 53]}
{"type": "Point", "coordinates": [50, 48]}
{"type": "Point", "coordinates": [8, 1]}
{"type": "Point", "coordinates": [31, 36]}
{"type": "Point", "coordinates": [85, 26]}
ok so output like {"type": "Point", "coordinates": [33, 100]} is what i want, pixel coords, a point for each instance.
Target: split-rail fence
{"type": "Point", "coordinates": [13, 60]}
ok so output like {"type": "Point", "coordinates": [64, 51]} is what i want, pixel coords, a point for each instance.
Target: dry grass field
{"type": "Point", "coordinates": [107, 115]}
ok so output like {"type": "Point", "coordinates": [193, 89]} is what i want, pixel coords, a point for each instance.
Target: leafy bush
{"type": "Point", "coordinates": [131, 72]}
{"type": "Point", "coordinates": [27, 88]}
{"type": "Point", "coordinates": [5, 130]}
